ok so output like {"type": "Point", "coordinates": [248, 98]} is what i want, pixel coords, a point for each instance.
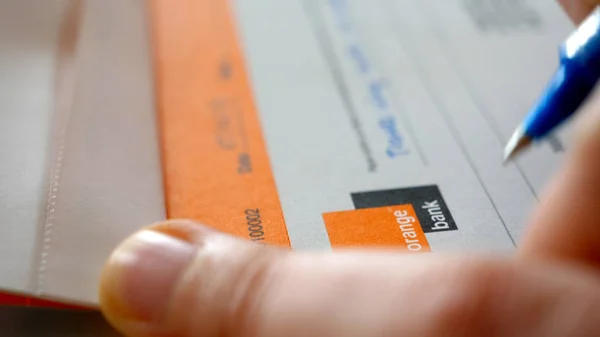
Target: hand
{"type": "Point", "coordinates": [578, 10]}
{"type": "Point", "coordinates": [182, 279]}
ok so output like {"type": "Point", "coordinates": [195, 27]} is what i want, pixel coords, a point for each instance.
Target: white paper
{"type": "Point", "coordinates": [449, 81]}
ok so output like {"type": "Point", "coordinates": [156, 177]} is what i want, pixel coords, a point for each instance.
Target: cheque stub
{"type": "Point", "coordinates": [308, 124]}
{"type": "Point", "coordinates": [320, 124]}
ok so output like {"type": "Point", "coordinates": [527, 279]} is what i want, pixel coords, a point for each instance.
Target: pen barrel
{"type": "Point", "coordinates": [581, 50]}
{"type": "Point", "coordinates": [565, 93]}
{"type": "Point", "coordinates": [572, 83]}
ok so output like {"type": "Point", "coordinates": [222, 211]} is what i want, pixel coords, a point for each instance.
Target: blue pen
{"type": "Point", "coordinates": [571, 85]}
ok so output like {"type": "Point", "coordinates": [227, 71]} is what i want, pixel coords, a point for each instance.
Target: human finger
{"type": "Point", "coordinates": [578, 10]}
{"type": "Point", "coordinates": [566, 223]}
{"type": "Point", "coordinates": [181, 279]}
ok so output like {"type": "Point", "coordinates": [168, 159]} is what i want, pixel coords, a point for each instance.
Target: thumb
{"type": "Point", "coordinates": [181, 279]}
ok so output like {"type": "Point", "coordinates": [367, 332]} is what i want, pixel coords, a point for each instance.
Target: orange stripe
{"type": "Point", "coordinates": [217, 169]}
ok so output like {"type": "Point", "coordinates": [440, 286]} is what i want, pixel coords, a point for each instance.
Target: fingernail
{"type": "Point", "coordinates": [141, 274]}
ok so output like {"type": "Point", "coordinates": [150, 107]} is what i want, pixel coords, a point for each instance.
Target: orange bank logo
{"type": "Point", "coordinates": [398, 218]}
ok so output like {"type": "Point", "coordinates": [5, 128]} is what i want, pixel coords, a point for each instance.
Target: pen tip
{"type": "Point", "coordinates": [517, 143]}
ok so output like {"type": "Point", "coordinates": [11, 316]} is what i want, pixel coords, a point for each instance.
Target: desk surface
{"type": "Point", "coordinates": [30, 322]}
